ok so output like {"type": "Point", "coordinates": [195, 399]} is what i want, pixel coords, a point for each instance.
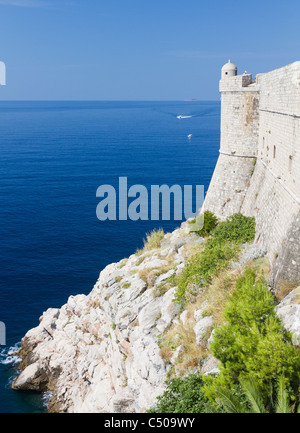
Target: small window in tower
{"type": "Point", "coordinates": [274, 152]}
{"type": "Point", "coordinates": [290, 163]}
{"type": "Point", "coordinates": [226, 73]}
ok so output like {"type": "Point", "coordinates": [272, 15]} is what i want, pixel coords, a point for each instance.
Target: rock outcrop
{"type": "Point", "coordinates": [100, 353]}
{"type": "Point", "coordinates": [289, 312]}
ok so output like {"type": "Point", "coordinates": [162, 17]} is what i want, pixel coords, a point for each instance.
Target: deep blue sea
{"type": "Point", "coordinates": [54, 156]}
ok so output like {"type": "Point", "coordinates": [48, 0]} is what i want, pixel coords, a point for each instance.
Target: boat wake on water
{"type": "Point", "coordinates": [183, 117]}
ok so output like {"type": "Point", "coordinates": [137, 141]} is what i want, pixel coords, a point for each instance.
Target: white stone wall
{"type": "Point", "coordinates": [262, 119]}
{"type": "Point", "coordinates": [229, 185]}
{"type": "Point", "coordinates": [279, 131]}
{"type": "Point", "coordinates": [275, 213]}
{"type": "Point", "coordinates": [239, 123]}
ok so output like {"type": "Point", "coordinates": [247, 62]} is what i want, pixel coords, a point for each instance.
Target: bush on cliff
{"type": "Point", "coordinates": [253, 342]}
{"type": "Point", "coordinates": [220, 249]}
{"type": "Point", "coordinates": [209, 221]}
{"type": "Point", "coordinates": [182, 395]}
{"type": "Point", "coordinates": [202, 267]}
{"type": "Point", "coordinates": [237, 228]}
{"type": "Point", "coordinates": [256, 357]}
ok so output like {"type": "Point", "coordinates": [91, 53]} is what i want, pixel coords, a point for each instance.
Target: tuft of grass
{"type": "Point", "coordinates": [192, 355]}
{"type": "Point", "coordinates": [95, 303]}
{"type": "Point", "coordinates": [164, 287]}
{"type": "Point", "coordinates": [153, 239]}
{"type": "Point", "coordinates": [158, 317]}
{"type": "Point", "coordinates": [126, 285]}
{"type": "Point", "coordinates": [284, 288]}
{"type": "Point", "coordinates": [149, 275]}
{"type": "Point", "coordinates": [140, 261]}
{"type": "Point", "coordinates": [145, 273]}
{"type": "Point", "coordinates": [118, 279]}
{"type": "Point", "coordinates": [123, 263]}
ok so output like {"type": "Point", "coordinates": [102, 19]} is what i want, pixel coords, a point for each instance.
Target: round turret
{"type": "Point", "coordinates": [229, 70]}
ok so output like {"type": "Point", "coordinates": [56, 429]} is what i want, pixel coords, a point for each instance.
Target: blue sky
{"type": "Point", "coordinates": [139, 49]}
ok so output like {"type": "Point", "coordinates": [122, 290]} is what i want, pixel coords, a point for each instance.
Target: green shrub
{"type": "Point", "coordinates": [237, 228]}
{"type": "Point", "coordinates": [182, 395]}
{"type": "Point", "coordinates": [208, 221]}
{"type": "Point", "coordinates": [220, 249]}
{"type": "Point", "coordinates": [247, 398]}
{"type": "Point", "coordinates": [253, 341]}
{"type": "Point", "coordinates": [201, 267]}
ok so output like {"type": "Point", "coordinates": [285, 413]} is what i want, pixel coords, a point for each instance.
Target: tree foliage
{"type": "Point", "coordinates": [182, 395]}
{"type": "Point", "coordinates": [253, 341]}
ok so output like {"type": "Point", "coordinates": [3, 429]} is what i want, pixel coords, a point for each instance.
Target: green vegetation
{"type": "Point", "coordinates": [164, 287]}
{"type": "Point", "coordinates": [252, 401]}
{"type": "Point", "coordinates": [237, 228]}
{"type": "Point", "coordinates": [252, 342]}
{"type": "Point", "coordinates": [259, 366]}
{"type": "Point", "coordinates": [202, 267]}
{"type": "Point", "coordinates": [253, 162]}
{"type": "Point", "coordinates": [183, 395]}
{"type": "Point", "coordinates": [153, 239]}
{"type": "Point", "coordinates": [126, 285]}
{"type": "Point", "coordinates": [149, 275]}
{"type": "Point", "coordinates": [208, 221]}
{"type": "Point", "coordinates": [219, 250]}
{"type": "Point", "coordinates": [123, 263]}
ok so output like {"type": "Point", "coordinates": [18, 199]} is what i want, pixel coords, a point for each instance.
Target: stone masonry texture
{"type": "Point", "coordinates": [258, 170]}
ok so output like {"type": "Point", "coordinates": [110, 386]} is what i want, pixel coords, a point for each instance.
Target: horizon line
{"type": "Point", "coordinates": [109, 100]}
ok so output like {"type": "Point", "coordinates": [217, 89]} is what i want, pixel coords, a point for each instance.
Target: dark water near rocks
{"type": "Point", "coordinates": [54, 155]}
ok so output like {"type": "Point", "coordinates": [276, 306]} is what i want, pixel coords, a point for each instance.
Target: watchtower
{"type": "Point", "coordinates": [239, 112]}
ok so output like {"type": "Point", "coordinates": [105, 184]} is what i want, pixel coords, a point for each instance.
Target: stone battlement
{"type": "Point", "coordinates": [239, 83]}
{"type": "Point", "coordinates": [258, 171]}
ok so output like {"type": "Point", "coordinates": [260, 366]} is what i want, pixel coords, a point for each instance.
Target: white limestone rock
{"type": "Point", "coordinates": [100, 353]}
{"type": "Point", "coordinates": [184, 318]}
{"type": "Point", "coordinates": [202, 328]}
{"type": "Point", "coordinates": [289, 312]}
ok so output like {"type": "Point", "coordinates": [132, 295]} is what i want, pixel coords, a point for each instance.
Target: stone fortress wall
{"type": "Point", "coordinates": [258, 170]}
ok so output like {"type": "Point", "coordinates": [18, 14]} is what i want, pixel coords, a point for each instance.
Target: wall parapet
{"type": "Point", "coordinates": [261, 120]}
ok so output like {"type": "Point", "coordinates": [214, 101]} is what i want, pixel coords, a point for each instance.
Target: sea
{"type": "Point", "coordinates": [54, 156]}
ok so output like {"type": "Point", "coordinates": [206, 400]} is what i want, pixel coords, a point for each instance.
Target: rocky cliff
{"type": "Point", "coordinates": [100, 353]}
{"type": "Point", "coordinates": [103, 352]}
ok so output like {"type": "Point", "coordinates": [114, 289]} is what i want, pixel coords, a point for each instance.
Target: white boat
{"type": "Point", "coordinates": [183, 117]}
{"type": "Point", "coordinates": [190, 136]}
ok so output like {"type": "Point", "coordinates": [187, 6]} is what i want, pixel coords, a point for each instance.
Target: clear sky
{"type": "Point", "coordinates": [140, 49]}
